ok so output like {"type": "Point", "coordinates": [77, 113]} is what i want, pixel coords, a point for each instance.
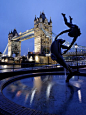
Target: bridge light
{"type": "Point", "coordinates": [27, 30]}
{"type": "Point", "coordinates": [6, 60]}
{"type": "Point", "coordinates": [47, 36]}
{"type": "Point", "coordinates": [20, 33]}
{"type": "Point", "coordinates": [36, 58]}
{"type": "Point", "coordinates": [31, 58]}
{"type": "Point", "coordinates": [2, 60]}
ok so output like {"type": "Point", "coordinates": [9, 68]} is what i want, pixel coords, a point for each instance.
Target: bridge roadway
{"type": "Point", "coordinates": [24, 36]}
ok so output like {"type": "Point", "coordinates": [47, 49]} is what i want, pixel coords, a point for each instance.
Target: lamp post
{"type": "Point", "coordinates": [76, 46]}
{"type": "Point", "coordinates": [48, 55]}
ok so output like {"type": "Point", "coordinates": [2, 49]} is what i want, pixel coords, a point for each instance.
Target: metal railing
{"type": "Point", "coordinates": [24, 66]}
{"type": "Point", "coordinates": [35, 66]}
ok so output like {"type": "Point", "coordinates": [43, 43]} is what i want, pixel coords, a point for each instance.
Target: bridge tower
{"type": "Point", "coordinates": [14, 46]}
{"type": "Point", "coordinates": [42, 42]}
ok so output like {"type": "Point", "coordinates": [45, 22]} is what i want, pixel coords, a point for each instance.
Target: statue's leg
{"type": "Point", "coordinates": [70, 19]}
{"type": "Point", "coordinates": [66, 22]}
{"type": "Point", "coordinates": [65, 19]}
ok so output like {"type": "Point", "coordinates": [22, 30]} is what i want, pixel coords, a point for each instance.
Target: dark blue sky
{"type": "Point", "coordinates": [20, 14]}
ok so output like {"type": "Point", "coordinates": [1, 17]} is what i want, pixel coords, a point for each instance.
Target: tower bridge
{"type": "Point", "coordinates": [43, 37]}
{"type": "Point", "coordinates": [41, 41]}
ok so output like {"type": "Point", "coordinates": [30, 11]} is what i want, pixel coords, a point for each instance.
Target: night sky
{"type": "Point", "coordinates": [20, 14]}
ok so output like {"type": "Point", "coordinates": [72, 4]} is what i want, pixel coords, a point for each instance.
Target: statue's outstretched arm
{"type": "Point", "coordinates": [62, 33]}
{"type": "Point", "coordinates": [74, 39]}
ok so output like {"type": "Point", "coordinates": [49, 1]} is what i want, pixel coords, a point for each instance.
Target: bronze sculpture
{"type": "Point", "coordinates": [56, 46]}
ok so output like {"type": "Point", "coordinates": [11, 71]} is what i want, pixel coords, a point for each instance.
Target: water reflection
{"type": "Point", "coordinates": [32, 96]}
{"type": "Point", "coordinates": [18, 93]}
{"type": "Point", "coordinates": [38, 83]}
{"type": "Point", "coordinates": [77, 87]}
{"type": "Point", "coordinates": [26, 98]}
{"type": "Point", "coordinates": [79, 96]}
{"type": "Point", "coordinates": [49, 89]}
{"type": "Point", "coordinates": [42, 92]}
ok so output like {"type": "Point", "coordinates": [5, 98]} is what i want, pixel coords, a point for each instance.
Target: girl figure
{"type": "Point", "coordinates": [74, 31]}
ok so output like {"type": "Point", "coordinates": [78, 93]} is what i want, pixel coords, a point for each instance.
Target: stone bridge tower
{"type": "Point", "coordinates": [42, 42]}
{"type": "Point", "coordinates": [14, 47]}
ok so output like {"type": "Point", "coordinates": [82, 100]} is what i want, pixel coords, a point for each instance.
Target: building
{"type": "Point", "coordinates": [14, 47]}
{"type": "Point", "coordinates": [42, 42]}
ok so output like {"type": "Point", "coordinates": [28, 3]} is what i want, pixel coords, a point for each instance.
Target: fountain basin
{"type": "Point", "coordinates": [48, 93]}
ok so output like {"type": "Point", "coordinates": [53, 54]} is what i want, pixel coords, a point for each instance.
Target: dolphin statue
{"type": "Point", "coordinates": [57, 55]}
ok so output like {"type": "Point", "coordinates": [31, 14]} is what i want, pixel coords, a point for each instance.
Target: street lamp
{"type": "Point", "coordinates": [48, 55]}
{"type": "Point", "coordinates": [76, 46]}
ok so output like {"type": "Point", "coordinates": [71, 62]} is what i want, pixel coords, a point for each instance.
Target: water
{"type": "Point", "coordinates": [49, 94]}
